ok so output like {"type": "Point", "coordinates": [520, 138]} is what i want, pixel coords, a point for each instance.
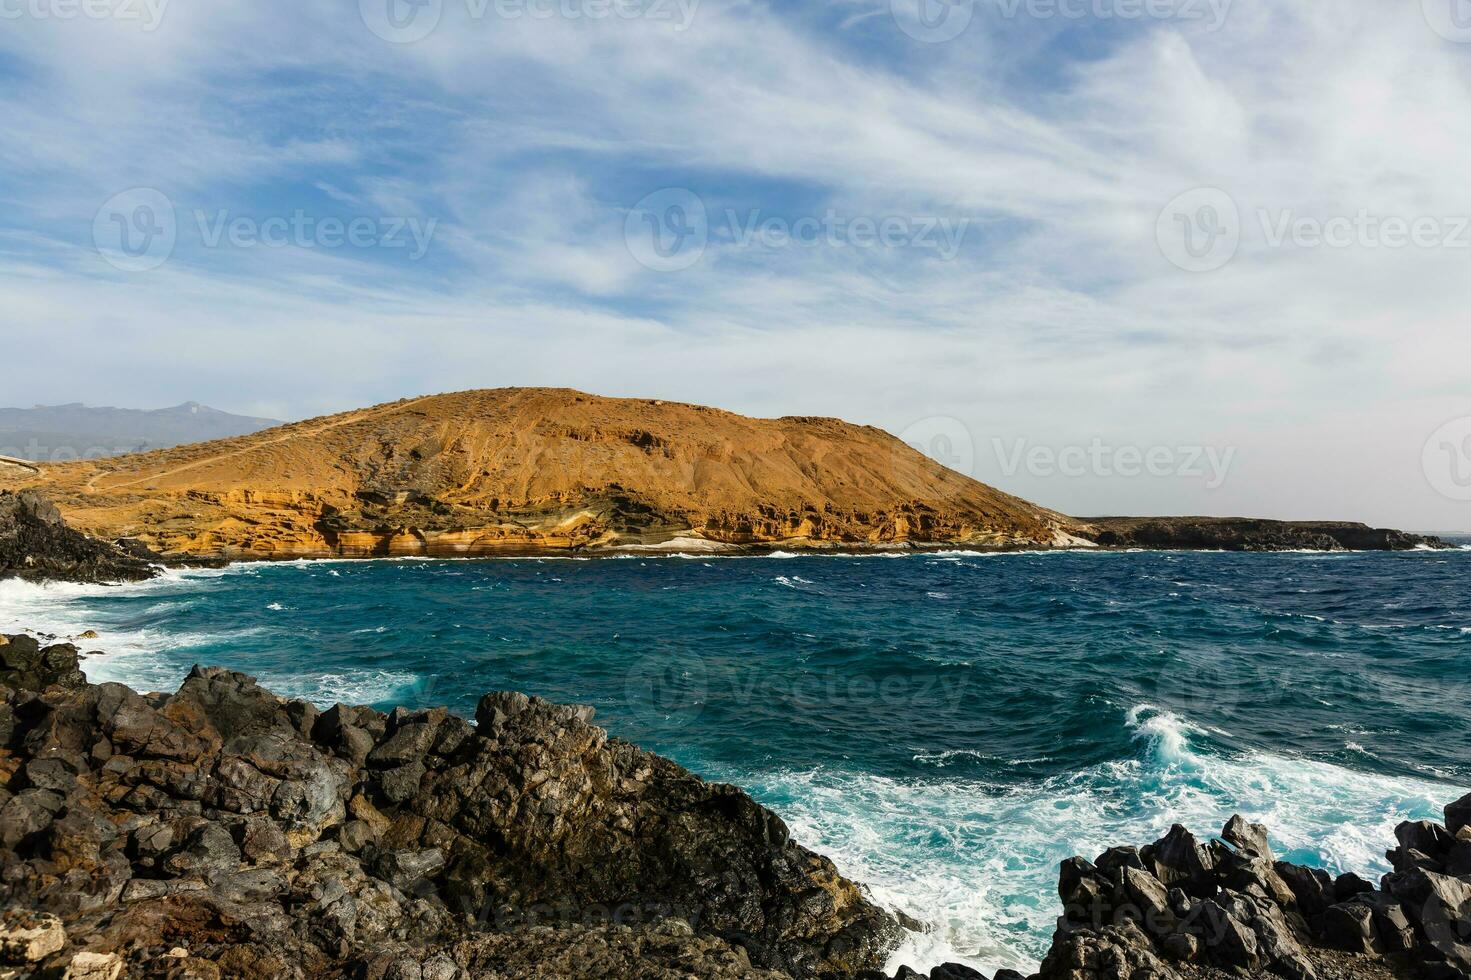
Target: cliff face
{"type": "Point", "coordinates": [516, 470]}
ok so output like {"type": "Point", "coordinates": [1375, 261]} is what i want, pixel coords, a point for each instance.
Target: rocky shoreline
{"type": "Point", "coordinates": [1247, 534]}
{"type": "Point", "coordinates": [36, 543]}
{"type": "Point", "coordinates": [222, 831]}
{"type": "Point", "coordinates": [225, 831]}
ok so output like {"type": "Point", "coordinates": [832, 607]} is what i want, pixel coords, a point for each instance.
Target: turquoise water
{"type": "Point", "coordinates": [946, 727]}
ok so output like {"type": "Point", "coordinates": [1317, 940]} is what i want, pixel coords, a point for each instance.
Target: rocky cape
{"type": "Point", "coordinates": [37, 545]}
{"type": "Point", "coordinates": [1246, 534]}
{"type": "Point", "coordinates": [222, 831]}
{"type": "Point", "coordinates": [538, 470]}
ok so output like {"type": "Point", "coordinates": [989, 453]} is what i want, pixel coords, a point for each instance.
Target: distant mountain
{"type": "Point", "coordinates": [58, 433]}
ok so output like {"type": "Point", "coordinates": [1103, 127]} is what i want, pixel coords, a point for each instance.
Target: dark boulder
{"type": "Point", "coordinates": [37, 545]}
{"type": "Point", "coordinates": [955, 971]}
{"type": "Point", "coordinates": [1458, 815]}
{"type": "Point", "coordinates": [27, 665]}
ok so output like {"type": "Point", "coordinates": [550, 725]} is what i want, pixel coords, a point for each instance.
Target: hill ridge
{"type": "Point", "coordinates": [522, 469]}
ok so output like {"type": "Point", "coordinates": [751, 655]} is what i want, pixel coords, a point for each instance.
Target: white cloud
{"type": "Point", "coordinates": [1060, 320]}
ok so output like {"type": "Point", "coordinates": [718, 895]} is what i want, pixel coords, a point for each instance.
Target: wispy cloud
{"type": "Point", "coordinates": [1054, 143]}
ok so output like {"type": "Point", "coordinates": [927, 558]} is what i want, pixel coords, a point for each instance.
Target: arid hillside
{"type": "Point", "coordinates": [531, 470]}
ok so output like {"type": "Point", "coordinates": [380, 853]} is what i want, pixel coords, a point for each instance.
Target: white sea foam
{"type": "Point", "coordinates": [978, 862]}
{"type": "Point", "coordinates": [131, 652]}
{"type": "Point", "coordinates": [360, 686]}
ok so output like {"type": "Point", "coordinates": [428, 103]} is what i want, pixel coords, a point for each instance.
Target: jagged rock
{"type": "Point", "coordinates": [27, 665]}
{"type": "Point", "coordinates": [26, 937]}
{"type": "Point", "coordinates": [1349, 927]}
{"type": "Point", "coordinates": [1393, 931]}
{"type": "Point", "coordinates": [35, 544]}
{"type": "Point", "coordinates": [1251, 916]}
{"type": "Point", "coordinates": [1119, 857]}
{"type": "Point", "coordinates": [1458, 815]}
{"type": "Point", "coordinates": [95, 966]}
{"type": "Point", "coordinates": [1247, 836]}
{"type": "Point", "coordinates": [1348, 885]}
{"type": "Point", "coordinates": [955, 971]}
{"type": "Point", "coordinates": [262, 838]}
{"type": "Point", "coordinates": [1458, 859]}
{"type": "Point", "coordinates": [1114, 952]}
{"type": "Point", "coordinates": [1150, 899]}
{"type": "Point", "coordinates": [1179, 859]}
{"type": "Point", "coordinates": [1440, 908]}
{"type": "Point", "coordinates": [1230, 942]}
{"type": "Point", "coordinates": [27, 814]}
{"type": "Point", "coordinates": [1424, 836]}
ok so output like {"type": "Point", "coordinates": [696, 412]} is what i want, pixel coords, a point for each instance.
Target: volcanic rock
{"type": "Point", "coordinates": [224, 831]}
{"type": "Point", "coordinates": [37, 545]}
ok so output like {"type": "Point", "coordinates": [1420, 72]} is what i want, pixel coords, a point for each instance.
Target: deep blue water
{"type": "Point", "coordinates": [946, 727]}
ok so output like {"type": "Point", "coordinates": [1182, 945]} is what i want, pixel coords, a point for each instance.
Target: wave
{"type": "Point", "coordinates": [977, 860]}
{"type": "Point", "coordinates": [132, 639]}
{"type": "Point", "coordinates": [359, 686]}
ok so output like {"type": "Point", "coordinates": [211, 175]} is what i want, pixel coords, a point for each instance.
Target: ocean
{"type": "Point", "coordinates": [946, 727]}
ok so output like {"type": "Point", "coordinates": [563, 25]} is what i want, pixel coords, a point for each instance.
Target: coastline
{"type": "Point", "coordinates": [1160, 748]}
{"type": "Point", "coordinates": [886, 553]}
{"type": "Point", "coordinates": [371, 790]}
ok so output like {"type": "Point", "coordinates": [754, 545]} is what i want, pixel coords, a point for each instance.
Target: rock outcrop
{"type": "Point", "coordinates": [1245, 534]}
{"type": "Point", "coordinates": [222, 831]}
{"type": "Point", "coordinates": [36, 544]}
{"type": "Point", "coordinates": [1186, 909]}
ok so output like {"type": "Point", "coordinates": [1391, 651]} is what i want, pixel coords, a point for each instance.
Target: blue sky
{"type": "Point", "coordinates": [1030, 171]}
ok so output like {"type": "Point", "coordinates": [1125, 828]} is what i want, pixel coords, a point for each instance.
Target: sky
{"type": "Point", "coordinates": [1115, 256]}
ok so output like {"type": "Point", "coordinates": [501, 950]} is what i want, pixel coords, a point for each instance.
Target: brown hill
{"type": "Point", "coordinates": [533, 469]}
